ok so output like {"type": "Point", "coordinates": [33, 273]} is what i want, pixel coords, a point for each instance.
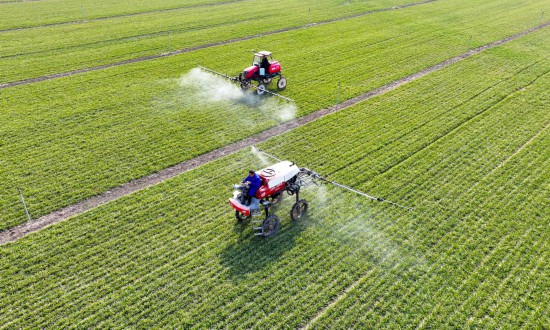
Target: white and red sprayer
{"type": "Point", "coordinates": [284, 176]}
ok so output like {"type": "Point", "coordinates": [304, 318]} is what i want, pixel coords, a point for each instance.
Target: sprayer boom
{"type": "Point", "coordinates": [234, 79]}
{"type": "Point", "coordinates": [246, 83]}
{"type": "Point", "coordinates": [267, 186]}
{"type": "Point", "coordinates": [316, 176]}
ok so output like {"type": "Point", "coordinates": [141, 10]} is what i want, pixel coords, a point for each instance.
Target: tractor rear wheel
{"type": "Point", "coordinates": [281, 84]}
{"type": "Point", "coordinates": [260, 90]}
{"type": "Point", "coordinates": [270, 226]}
{"type": "Point", "coordinates": [298, 210]}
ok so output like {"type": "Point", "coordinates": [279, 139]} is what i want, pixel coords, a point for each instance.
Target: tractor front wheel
{"type": "Point", "coordinates": [298, 210]}
{"type": "Point", "coordinates": [270, 226]}
{"type": "Point", "coordinates": [281, 84]}
{"type": "Point", "coordinates": [245, 84]}
{"type": "Point", "coordinates": [240, 217]}
{"type": "Point", "coordinates": [260, 90]}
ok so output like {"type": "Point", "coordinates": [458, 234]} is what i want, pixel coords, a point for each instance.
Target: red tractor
{"type": "Point", "coordinates": [263, 70]}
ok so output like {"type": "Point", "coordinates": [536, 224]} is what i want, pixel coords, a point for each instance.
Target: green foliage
{"type": "Point", "coordinates": [21, 14]}
{"type": "Point", "coordinates": [467, 147]}
{"type": "Point", "coordinates": [68, 139]}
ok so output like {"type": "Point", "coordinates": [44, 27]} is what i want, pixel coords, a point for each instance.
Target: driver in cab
{"type": "Point", "coordinates": [253, 182]}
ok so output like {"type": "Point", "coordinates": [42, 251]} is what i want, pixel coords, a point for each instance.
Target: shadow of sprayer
{"type": "Point", "coordinates": [251, 253]}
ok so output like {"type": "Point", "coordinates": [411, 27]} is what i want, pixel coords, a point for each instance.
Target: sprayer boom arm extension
{"type": "Point", "coordinates": [353, 190]}
{"type": "Point", "coordinates": [275, 94]}
{"type": "Point", "coordinates": [218, 73]}
{"type": "Point", "coordinates": [367, 195]}
{"type": "Point", "coordinates": [317, 176]}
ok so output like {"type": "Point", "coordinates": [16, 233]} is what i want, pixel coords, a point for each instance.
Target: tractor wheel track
{"type": "Point", "coordinates": [130, 187]}
{"type": "Point", "coordinates": [204, 46]}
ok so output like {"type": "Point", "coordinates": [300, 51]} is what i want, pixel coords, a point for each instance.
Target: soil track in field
{"type": "Point", "coordinates": [128, 188]}
{"type": "Point", "coordinates": [191, 49]}
{"type": "Point", "coordinates": [17, 1]}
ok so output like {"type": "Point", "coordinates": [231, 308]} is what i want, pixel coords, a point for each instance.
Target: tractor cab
{"type": "Point", "coordinates": [266, 65]}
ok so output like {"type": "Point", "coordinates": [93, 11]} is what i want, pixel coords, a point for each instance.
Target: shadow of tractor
{"type": "Point", "coordinates": [251, 253]}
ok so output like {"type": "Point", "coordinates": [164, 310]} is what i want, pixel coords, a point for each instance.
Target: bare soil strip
{"type": "Point", "coordinates": [128, 188]}
{"type": "Point", "coordinates": [115, 16]}
{"type": "Point", "coordinates": [191, 49]}
{"type": "Point", "coordinates": [17, 1]}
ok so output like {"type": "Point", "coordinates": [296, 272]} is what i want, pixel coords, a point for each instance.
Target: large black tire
{"type": "Point", "coordinates": [245, 84]}
{"type": "Point", "coordinates": [260, 90]}
{"type": "Point", "coordinates": [270, 226]}
{"type": "Point", "coordinates": [281, 83]}
{"type": "Point", "coordinates": [298, 209]}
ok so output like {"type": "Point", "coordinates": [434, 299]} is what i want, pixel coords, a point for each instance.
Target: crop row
{"type": "Point", "coordinates": [513, 196]}
{"type": "Point", "coordinates": [36, 52]}
{"type": "Point", "coordinates": [41, 53]}
{"type": "Point", "coordinates": [393, 131]}
{"type": "Point", "coordinates": [171, 255]}
{"type": "Point", "coordinates": [490, 259]}
{"type": "Point", "coordinates": [72, 138]}
{"type": "Point", "coordinates": [149, 264]}
{"type": "Point", "coordinates": [32, 14]}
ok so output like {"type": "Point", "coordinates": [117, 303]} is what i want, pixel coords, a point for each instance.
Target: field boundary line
{"type": "Point", "coordinates": [18, 1]}
{"type": "Point", "coordinates": [14, 233]}
{"type": "Point", "coordinates": [204, 46]}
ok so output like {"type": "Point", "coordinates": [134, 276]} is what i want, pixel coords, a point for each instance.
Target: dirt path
{"type": "Point", "coordinates": [153, 179]}
{"type": "Point", "coordinates": [191, 49]}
